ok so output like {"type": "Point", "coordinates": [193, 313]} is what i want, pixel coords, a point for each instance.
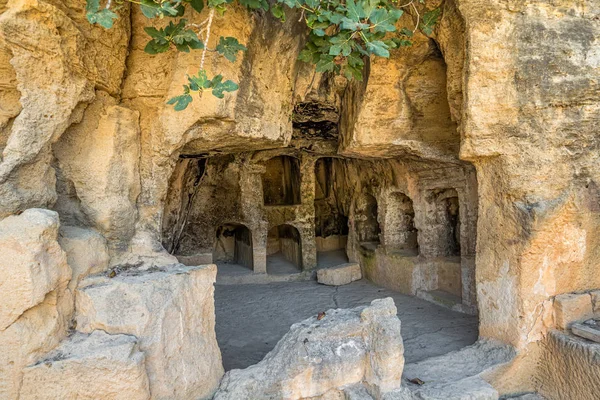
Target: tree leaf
{"type": "Point", "coordinates": [229, 47]}
{"type": "Point", "coordinates": [429, 20]}
{"type": "Point", "coordinates": [200, 81]}
{"type": "Point", "coordinates": [326, 63]}
{"type": "Point", "coordinates": [150, 9]}
{"type": "Point", "coordinates": [385, 21]}
{"type": "Point", "coordinates": [352, 25]}
{"type": "Point", "coordinates": [104, 18]}
{"type": "Point", "coordinates": [378, 48]}
{"type": "Point", "coordinates": [220, 87]}
{"type": "Point", "coordinates": [353, 72]}
{"type": "Point", "coordinates": [155, 47]}
{"type": "Point", "coordinates": [197, 5]}
{"type": "Point", "coordinates": [153, 32]}
{"type": "Point", "coordinates": [277, 11]}
{"type": "Point", "coordinates": [92, 6]}
{"type": "Point", "coordinates": [181, 102]}
{"type": "Point", "coordinates": [355, 11]}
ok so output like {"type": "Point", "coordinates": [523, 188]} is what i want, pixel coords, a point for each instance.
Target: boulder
{"type": "Point", "coordinates": [32, 261]}
{"type": "Point", "coordinates": [341, 274]}
{"type": "Point", "coordinates": [171, 312]}
{"type": "Point", "coordinates": [94, 366]}
{"type": "Point", "coordinates": [321, 356]}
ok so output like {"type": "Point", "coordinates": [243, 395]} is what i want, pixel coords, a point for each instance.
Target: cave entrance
{"type": "Point", "coordinates": [281, 181]}
{"type": "Point", "coordinates": [400, 233]}
{"type": "Point", "coordinates": [233, 245]}
{"type": "Point", "coordinates": [331, 216]}
{"type": "Point", "coordinates": [284, 250]}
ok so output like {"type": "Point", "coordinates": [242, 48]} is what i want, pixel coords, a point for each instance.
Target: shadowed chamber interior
{"type": "Point", "coordinates": [284, 250]}
{"type": "Point", "coordinates": [331, 210]}
{"type": "Point", "coordinates": [401, 235]}
{"type": "Point", "coordinates": [233, 245]}
{"type": "Point", "coordinates": [281, 181]}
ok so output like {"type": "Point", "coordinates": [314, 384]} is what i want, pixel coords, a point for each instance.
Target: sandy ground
{"type": "Point", "coordinates": [251, 318]}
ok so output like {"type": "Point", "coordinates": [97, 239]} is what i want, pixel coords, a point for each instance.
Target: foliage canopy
{"type": "Point", "coordinates": [342, 33]}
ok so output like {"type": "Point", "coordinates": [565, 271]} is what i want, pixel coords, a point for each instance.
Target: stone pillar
{"type": "Point", "coordinates": [307, 213]}
{"type": "Point", "coordinates": [252, 210]}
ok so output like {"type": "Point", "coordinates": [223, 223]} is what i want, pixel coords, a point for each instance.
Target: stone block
{"type": "Point", "coordinates": [33, 264]}
{"type": "Point", "coordinates": [321, 356]}
{"type": "Point", "coordinates": [342, 274]}
{"type": "Point", "coordinates": [87, 367]}
{"type": "Point", "coordinates": [571, 307]}
{"type": "Point", "coordinates": [171, 312]}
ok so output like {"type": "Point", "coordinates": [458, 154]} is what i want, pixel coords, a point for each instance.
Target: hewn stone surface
{"type": "Point", "coordinates": [95, 366]}
{"type": "Point", "coordinates": [569, 308]}
{"type": "Point", "coordinates": [339, 275]}
{"type": "Point", "coordinates": [569, 368]}
{"type": "Point", "coordinates": [341, 348]}
{"type": "Point", "coordinates": [171, 312]}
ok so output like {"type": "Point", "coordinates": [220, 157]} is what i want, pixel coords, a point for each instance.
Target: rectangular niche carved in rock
{"type": "Point", "coordinates": [447, 212]}
{"type": "Point", "coordinates": [331, 220]}
{"type": "Point", "coordinates": [400, 231]}
{"type": "Point", "coordinates": [284, 250]}
{"type": "Point", "coordinates": [281, 181]}
{"type": "Point", "coordinates": [367, 224]}
{"type": "Point", "coordinates": [233, 245]}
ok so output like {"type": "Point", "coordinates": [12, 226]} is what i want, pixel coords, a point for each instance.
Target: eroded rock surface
{"type": "Point", "coordinates": [36, 304]}
{"type": "Point", "coordinates": [323, 354]}
{"type": "Point", "coordinates": [32, 260]}
{"type": "Point", "coordinates": [103, 167]}
{"type": "Point", "coordinates": [171, 312]}
{"type": "Point", "coordinates": [86, 252]}
{"type": "Point", "coordinates": [94, 366]}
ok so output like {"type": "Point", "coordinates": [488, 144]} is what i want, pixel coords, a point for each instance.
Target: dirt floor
{"type": "Point", "coordinates": [251, 318]}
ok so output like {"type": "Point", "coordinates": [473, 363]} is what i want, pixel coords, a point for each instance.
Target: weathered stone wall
{"type": "Point", "coordinates": [529, 126]}
{"type": "Point", "coordinates": [500, 105]}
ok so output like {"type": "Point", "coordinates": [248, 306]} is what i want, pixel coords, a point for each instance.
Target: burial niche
{"type": "Point", "coordinates": [281, 181]}
{"type": "Point", "coordinates": [366, 221]}
{"type": "Point", "coordinates": [284, 250]}
{"type": "Point", "coordinates": [448, 213]}
{"type": "Point", "coordinates": [233, 245]}
{"type": "Point", "coordinates": [331, 220]}
{"type": "Point", "coordinates": [400, 231]}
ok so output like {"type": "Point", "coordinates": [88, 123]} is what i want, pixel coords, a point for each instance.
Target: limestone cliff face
{"type": "Point", "coordinates": [500, 104]}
